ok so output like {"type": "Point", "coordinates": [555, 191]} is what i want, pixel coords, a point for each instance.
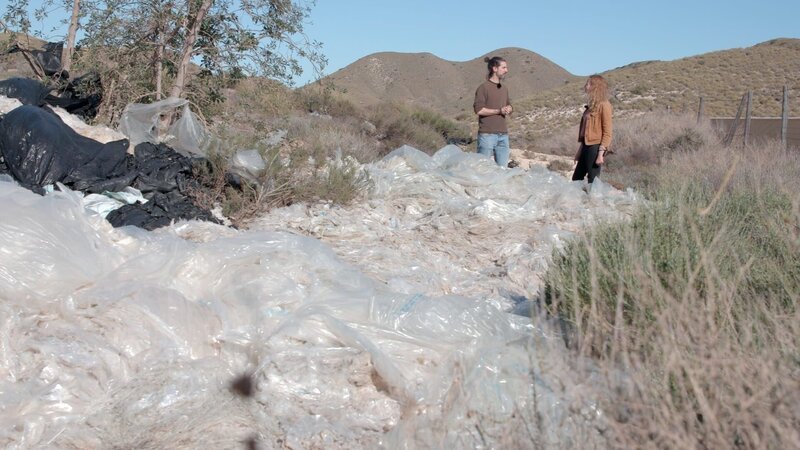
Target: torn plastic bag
{"type": "Point", "coordinates": [40, 149]}
{"type": "Point", "coordinates": [50, 59]}
{"type": "Point", "coordinates": [26, 90]}
{"type": "Point", "coordinates": [248, 164]}
{"type": "Point", "coordinates": [142, 123]}
{"type": "Point", "coordinates": [187, 135]}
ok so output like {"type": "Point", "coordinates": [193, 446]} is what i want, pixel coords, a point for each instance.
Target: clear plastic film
{"type": "Point", "coordinates": [385, 323]}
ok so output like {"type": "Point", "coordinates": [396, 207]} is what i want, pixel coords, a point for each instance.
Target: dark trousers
{"type": "Point", "coordinates": [586, 163]}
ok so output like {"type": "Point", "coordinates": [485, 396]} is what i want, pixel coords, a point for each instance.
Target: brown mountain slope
{"type": "Point", "coordinates": [423, 79]}
{"type": "Point", "coordinates": [721, 78]}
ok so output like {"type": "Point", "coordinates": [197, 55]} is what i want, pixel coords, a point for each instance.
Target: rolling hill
{"type": "Point", "coordinates": [721, 78]}
{"type": "Point", "coordinates": [448, 87]}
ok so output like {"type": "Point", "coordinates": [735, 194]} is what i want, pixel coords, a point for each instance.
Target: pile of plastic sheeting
{"type": "Point", "coordinates": [39, 148]}
{"type": "Point", "coordinates": [462, 225]}
{"type": "Point", "coordinates": [391, 329]}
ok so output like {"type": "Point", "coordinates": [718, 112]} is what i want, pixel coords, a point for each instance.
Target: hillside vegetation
{"type": "Point", "coordinates": [721, 78]}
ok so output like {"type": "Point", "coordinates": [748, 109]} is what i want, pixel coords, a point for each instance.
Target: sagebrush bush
{"type": "Point", "coordinates": [324, 137]}
{"type": "Point", "coordinates": [399, 125]}
{"type": "Point", "coordinates": [324, 99]}
{"type": "Point", "coordinates": [450, 130]}
{"type": "Point", "coordinates": [339, 182]}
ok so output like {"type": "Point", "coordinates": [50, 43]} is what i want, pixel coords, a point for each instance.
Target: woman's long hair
{"type": "Point", "coordinates": [598, 91]}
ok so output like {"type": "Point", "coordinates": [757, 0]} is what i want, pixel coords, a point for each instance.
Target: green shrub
{"type": "Point", "coordinates": [323, 99]}
{"type": "Point", "coordinates": [689, 310]}
{"type": "Point", "coordinates": [670, 248]}
{"type": "Point", "coordinates": [305, 175]}
{"type": "Point", "coordinates": [422, 129]}
{"type": "Point", "coordinates": [396, 126]}
{"type": "Point", "coordinates": [449, 129]}
{"type": "Point", "coordinates": [340, 182]}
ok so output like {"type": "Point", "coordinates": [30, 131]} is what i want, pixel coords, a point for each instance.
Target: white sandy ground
{"type": "Point", "coordinates": [387, 323]}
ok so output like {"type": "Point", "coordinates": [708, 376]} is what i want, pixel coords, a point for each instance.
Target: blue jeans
{"type": "Point", "coordinates": [495, 146]}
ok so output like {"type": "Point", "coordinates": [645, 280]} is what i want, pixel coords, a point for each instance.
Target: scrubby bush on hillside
{"type": "Point", "coordinates": [425, 130]}
{"type": "Point", "coordinates": [321, 138]}
{"type": "Point", "coordinates": [323, 99]}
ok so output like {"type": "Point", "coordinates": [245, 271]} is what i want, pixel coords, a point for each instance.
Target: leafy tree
{"type": "Point", "coordinates": [197, 47]}
{"type": "Point", "coordinates": [145, 49]}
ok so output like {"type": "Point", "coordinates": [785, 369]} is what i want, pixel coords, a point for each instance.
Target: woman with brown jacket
{"type": "Point", "coordinates": [594, 133]}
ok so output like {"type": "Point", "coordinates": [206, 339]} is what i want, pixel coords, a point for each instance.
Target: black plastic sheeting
{"type": "Point", "coordinates": [81, 96]}
{"type": "Point", "coordinates": [164, 176]}
{"type": "Point", "coordinates": [160, 210]}
{"type": "Point", "coordinates": [26, 90]}
{"type": "Point", "coordinates": [49, 58]}
{"type": "Point", "coordinates": [38, 149]}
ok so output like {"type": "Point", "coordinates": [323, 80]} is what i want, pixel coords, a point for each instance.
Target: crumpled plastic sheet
{"type": "Point", "coordinates": [360, 337]}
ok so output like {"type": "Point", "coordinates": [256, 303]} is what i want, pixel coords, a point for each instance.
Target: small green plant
{"type": "Point", "coordinates": [340, 182]}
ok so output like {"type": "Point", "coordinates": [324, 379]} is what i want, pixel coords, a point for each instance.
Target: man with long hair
{"type": "Point", "coordinates": [492, 105]}
{"type": "Point", "coordinates": [594, 133]}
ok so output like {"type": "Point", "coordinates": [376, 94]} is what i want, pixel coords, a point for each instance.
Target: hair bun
{"type": "Point", "coordinates": [486, 59]}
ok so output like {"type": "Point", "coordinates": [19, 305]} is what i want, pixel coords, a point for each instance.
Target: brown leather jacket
{"type": "Point", "coordinates": [598, 126]}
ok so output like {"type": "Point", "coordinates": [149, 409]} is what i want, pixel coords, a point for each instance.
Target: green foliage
{"type": "Point", "coordinates": [449, 129]}
{"type": "Point", "coordinates": [340, 182]}
{"type": "Point", "coordinates": [135, 44]}
{"type": "Point", "coordinates": [675, 248]}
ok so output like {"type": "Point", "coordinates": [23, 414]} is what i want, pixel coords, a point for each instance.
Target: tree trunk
{"type": "Point", "coordinates": [188, 49]}
{"type": "Point", "coordinates": [66, 56]}
{"type": "Point", "coordinates": [158, 64]}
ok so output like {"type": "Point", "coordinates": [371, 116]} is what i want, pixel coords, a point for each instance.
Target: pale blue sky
{"type": "Point", "coordinates": [583, 37]}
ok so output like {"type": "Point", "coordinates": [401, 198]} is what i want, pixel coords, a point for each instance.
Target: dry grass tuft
{"type": "Point", "coordinates": [690, 310]}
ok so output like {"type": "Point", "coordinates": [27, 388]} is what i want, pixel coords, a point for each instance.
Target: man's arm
{"type": "Point", "coordinates": [489, 112]}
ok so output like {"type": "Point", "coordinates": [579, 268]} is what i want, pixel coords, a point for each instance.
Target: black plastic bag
{"type": "Point", "coordinates": [159, 211]}
{"type": "Point", "coordinates": [40, 149]}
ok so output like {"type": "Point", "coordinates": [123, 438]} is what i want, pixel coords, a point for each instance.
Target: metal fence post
{"type": "Point", "coordinates": [700, 110]}
{"type": "Point", "coordinates": [785, 118]}
{"type": "Point", "coordinates": [747, 117]}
